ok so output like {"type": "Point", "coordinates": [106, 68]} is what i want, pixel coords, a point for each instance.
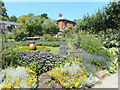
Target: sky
{"type": "Point", "coordinates": [69, 10]}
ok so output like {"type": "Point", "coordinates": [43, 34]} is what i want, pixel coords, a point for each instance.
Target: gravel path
{"type": "Point", "coordinates": [109, 82]}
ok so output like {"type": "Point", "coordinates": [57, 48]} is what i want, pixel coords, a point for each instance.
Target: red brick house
{"type": "Point", "coordinates": [64, 23]}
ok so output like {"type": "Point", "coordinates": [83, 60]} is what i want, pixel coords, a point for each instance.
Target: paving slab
{"type": "Point", "coordinates": [109, 82]}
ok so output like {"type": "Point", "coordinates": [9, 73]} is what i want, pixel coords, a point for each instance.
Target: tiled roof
{"type": "Point", "coordinates": [62, 18]}
{"type": "Point", "coordinates": [10, 23]}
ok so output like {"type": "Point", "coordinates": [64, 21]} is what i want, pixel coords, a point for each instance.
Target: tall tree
{"type": "Point", "coordinates": [49, 27]}
{"type": "Point", "coordinates": [44, 15]}
{"type": "Point", "coordinates": [3, 12]}
{"type": "Point", "coordinates": [106, 18]}
{"type": "Point", "coordinates": [21, 19]}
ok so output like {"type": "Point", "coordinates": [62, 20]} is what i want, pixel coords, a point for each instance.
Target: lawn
{"type": "Point", "coordinates": [47, 48]}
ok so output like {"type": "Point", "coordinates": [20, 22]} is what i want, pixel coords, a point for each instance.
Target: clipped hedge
{"type": "Point", "coordinates": [41, 43]}
{"type": "Point", "coordinates": [39, 60]}
{"type": "Point", "coordinates": [53, 44]}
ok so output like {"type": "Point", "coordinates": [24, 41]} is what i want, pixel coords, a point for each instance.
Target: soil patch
{"type": "Point", "coordinates": [45, 81]}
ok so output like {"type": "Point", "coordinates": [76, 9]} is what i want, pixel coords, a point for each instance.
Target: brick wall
{"type": "Point", "coordinates": [62, 24]}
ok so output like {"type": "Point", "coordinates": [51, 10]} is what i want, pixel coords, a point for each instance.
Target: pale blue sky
{"type": "Point", "coordinates": [69, 10]}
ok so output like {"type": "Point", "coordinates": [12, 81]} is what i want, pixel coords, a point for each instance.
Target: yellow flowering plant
{"type": "Point", "coordinates": [19, 77]}
{"type": "Point", "coordinates": [69, 76]}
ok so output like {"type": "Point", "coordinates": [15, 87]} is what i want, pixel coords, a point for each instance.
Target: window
{"type": "Point", "coordinates": [73, 24]}
{"type": "Point", "coordinates": [57, 23]}
{"type": "Point", "coordinates": [65, 23]}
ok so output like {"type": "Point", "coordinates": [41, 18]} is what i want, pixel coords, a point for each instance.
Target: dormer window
{"type": "Point", "coordinates": [65, 23]}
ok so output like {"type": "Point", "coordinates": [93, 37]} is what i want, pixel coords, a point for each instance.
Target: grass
{"type": "Point", "coordinates": [48, 48]}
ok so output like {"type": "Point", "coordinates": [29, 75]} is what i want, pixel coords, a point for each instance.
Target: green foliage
{"type": "Point", "coordinates": [44, 15]}
{"type": "Point", "coordinates": [49, 27]}
{"type": "Point", "coordinates": [53, 44]}
{"type": "Point", "coordinates": [3, 14]}
{"type": "Point", "coordinates": [93, 44]}
{"type": "Point", "coordinates": [34, 26]}
{"type": "Point", "coordinates": [69, 33]}
{"type": "Point", "coordinates": [47, 37]}
{"type": "Point", "coordinates": [25, 44]}
{"type": "Point", "coordinates": [111, 38]}
{"type": "Point", "coordinates": [13, 18]}
{"type": "Point", "coordinates": [3, 18]}
{"type": "Point", "coordinates": [9, 55]}
{"type": "Point", "coordinates": [51, 49]}
{"type": "Point", "coordinates": [4, 38]}
{"type": "Point", "coordinates": [10, 37]}
{"type": "Point", "coordinates": [21, 19]}
{"type": "Point", "coordinates": [19, 35]}
{"type": "Point", "coordinates": [105, 18]}
{"type": "Point", "coordinates": [64, 39]}
{"type": "Point", "coordinates": [113, 15]}
{"type": "Point", "coordinates": [35, 67]}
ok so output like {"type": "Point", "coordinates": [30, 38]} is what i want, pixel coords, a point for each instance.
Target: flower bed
{"type": "Point", "coordinates": [73, 75]}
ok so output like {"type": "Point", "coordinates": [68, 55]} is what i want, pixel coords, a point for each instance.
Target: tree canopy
{"type": "Point", "coordinates": [50, 27]}
{"type": "Point", "coordinates": [105, 18]}
{"type": "Point", "coordinates": [13, 18]}
{"type": "Point", "coordinates": [21, 19]}
{"type": "Point", "coordinates": [3, 12]}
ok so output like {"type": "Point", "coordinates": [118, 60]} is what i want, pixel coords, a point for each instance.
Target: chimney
{"type": "Point", "coordinates": [60, 15]}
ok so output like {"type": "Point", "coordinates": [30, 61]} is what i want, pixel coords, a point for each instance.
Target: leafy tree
{"type": "Point", "coordinates": [21, 19]}
{"type": "Point", "coordinates": [3, 18]}
{"type": "Point", "coordinates": [49, 27]}
{"type": "Point", "coordinates": [3, 12]}
{"type": "Point", "coordinates": [13, 18]}
{"type": "Point", "coordinates": [31, 27]}
{"type": "Point", "coordinates": [106, 18]}
{"type": "Point", "coordinates": [44, 15]}
{"type": "Point", "coordinates": [113, 15]}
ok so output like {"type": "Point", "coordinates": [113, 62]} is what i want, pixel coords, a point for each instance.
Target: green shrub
{"type": "Point", "coordinates": [64, 39]}
{"type": "Point", "coordinates": [111, 38]}
{"type": "Point", "coordinates": [19, 36]}
{"type": "Point", "coordinates": [9, 55]}
{"type": "Point", "coordinates": [69, 33]}
{"type": "Point", "coordinates": [48, 37]}
{"type": "Point", "coordinates": [53, 44]}
{"type": "Point", "coordinates": [35, 67]}
{"type": "Point", "coordinates": [93, 44]}
{"type": "Point", "coordinates": [25, 44]}
{"type": "Point", "coordinates": [10, 37]}
{"type": "Point", "coordinates": [46, 48]}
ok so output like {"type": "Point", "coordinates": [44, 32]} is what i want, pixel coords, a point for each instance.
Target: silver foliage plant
{"type": "Point", "coordinates": [15, 73]}
{"type": "Point", "coordinates": [74, 68]}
